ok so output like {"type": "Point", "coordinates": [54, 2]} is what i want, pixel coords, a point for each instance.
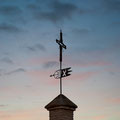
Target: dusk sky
{"type": "Point", "coordinates": [29, 55]}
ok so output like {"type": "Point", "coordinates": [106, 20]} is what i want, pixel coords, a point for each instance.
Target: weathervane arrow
{"type": "Point", "coordinates": [62, 73]}
{"type": "Point", "coordinates": [66, 72]}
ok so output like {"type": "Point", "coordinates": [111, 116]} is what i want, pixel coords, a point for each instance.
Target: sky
{"type": "Point", "coordinates": [29, 55]}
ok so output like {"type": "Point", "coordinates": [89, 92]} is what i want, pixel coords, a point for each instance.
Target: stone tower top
{"type": "Point", "coordinates": [61, 108]}
{"type": "Point", "coordinates": [60, 101]}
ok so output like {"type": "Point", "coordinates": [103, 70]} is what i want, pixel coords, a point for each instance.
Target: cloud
{"type": "Point", "coordinates": [85, 62]}
{"type": "Point", "coordinates": [83, 76]}
{"type": "Point", "coordinates": [11, 13]}
{"type": "Point", "coordinates": [93, 64]}
{"type": "Point", "coordinates": [34, 7]}
{"type": "Point", "coordinates": [36, 47]}
{"type": "Point", "coordinates": [19, 70]}
{"type": "Point", "coordinates": [45, 76]}
{"type": "Point", "coordinates": [1, 71]}
{"type": "Point", "coordinates": [113, 100]}
{"type": "Point", "coordinates": [5, 27]}
{"type": "Point", "coordinates": [80, 31]}
{"type": "Point", "coordinates": [82, 11]}
{"type": "Point", "coordinates": [50, 64]}
{"type": "Point", "coordinates": [95, 117]}
{"type": "Point", "coordinates": [10, 10]}
{"type": "Point", "coordinates": [31, 114]}
{"type": "Point", "coordinates": [7, 60]}
{"type": "Point", "coordinates": [42, 61]}
{"type": "Point", "coordinates": [115, 24]}
{"type": "Point", "coordinates": [2, 105]}
{"type": "Point", "coordinates": [58, 11]}
{"type": "Point", "coordinates": [112, 5]}
{"type": "Point", "coordinates": [79, 77]}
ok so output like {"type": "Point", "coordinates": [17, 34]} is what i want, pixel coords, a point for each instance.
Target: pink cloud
{"type": "Point", "coordinates": [96, 117]}
{"type": "Point", "coordinates": [113, 100]}
{"type": "Point", "coordinates": [38, 61]}
{"type": "Point", "coordinates": [113, 69]}
{"type": "Point", "coordinates": [76, 76]}
{"type": "Point", "coordinates": [99, 117]}
{"type": "Point", "coordinates": [88, 59]}
{"type": "Point", "coordinates": [39, 74]}
{"type": "Point", "coordinates": [83, 75]}
{"type": "Point", "coordinates": [69, 61]}
{"type": "Point", "coordinates": [10, 89]}
{"type": "Point", "coordinates": [44, 76]}
{"type": "Point", "coordinates": [32, 114]}
{"type": "Point", "coordinates": [96, 63]}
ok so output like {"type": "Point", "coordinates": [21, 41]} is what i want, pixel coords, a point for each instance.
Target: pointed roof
{"type": "Point", "coordinates": [61, 100]}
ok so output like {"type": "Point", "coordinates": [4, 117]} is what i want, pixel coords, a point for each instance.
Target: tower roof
{"type": "Point", "coordinates": [61, 100]}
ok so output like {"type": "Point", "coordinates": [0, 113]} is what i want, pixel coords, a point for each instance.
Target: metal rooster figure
{"type": "Point", "coordinates": [59, 74]}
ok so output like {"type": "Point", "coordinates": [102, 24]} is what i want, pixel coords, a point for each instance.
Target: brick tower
{"type": "Point", "coordinates": [61, 108]}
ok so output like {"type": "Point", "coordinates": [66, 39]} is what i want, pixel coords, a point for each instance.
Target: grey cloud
{"type": "Point", "coordinates": [82, 11]}
{"type": "Point", "coordinates": [6, 53]}
{"type": "Point", "coordinates": [19, 70]}
{"type": "Point", "coordinates": [40, 47]}
{"type": "Point", "coordinates": [12, 13]}
{"type": "Point", "coordinates": [33, 7]}
{"type": "Point", "coordinates": [4, 1]}
{"type": "Point", "coordinates": [1, 72]}
{"type": "Point", "coordinates": [112, 5]}
{"type": "Point", "coordinates": [50, 64]}
{"type": "Point", "coordinates": [28, 86]}
{"type": "Point", "coordinates": [80, 31]}
{"type": "Point", "coordinates": [10, 10]}
{"type": "Point", "coordinates": [9, 28]}
{"type": "Point", "coordinates": [58, 12]}
{"type": "Point", "coordinates": [112, 73]}
{"type": "Point", "coordinates": [41, 1]}
{"type": "Point", "coordinates": [115, 23]}
{"type": "Point", "coordinates": [2, 105]}
{"type": "Point", "coordinates": [6, 60]}
{"type": "Point", "coordinates": [36, 47]}
{"type": "Point", "coordinates": [31, 48]}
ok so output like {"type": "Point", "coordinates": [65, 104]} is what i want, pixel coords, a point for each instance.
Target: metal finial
{"type": "Point", "coordinates": [59, 74]}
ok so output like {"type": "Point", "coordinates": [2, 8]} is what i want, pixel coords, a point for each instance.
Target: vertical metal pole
{"type": "Point", "coordinates": [60, 78]}
{"type": "Point", "coordinates": [61, 40]}
{"type": "Point", "coordinates": [60, 69]}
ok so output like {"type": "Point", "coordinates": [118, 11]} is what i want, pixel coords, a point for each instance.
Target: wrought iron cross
{"type": "Point", "coordinates": [61, 46]}
{"type": "Point", "coordinates": [59, 74]}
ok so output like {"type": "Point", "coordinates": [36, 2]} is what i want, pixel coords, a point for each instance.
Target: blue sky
{"type": "Point", "coordinates": [29, 54]}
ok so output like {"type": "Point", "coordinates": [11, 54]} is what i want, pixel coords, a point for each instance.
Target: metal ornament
{"type": "Point", "coordinates": [66, 72]}
{"type": "Point", "coordinates": [59, 74]}
{"type": "Point", "coordinates": [62, 73]}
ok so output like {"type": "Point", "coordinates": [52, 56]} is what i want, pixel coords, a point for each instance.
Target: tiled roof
{"type": "Point", "coordinates": [61, 100]}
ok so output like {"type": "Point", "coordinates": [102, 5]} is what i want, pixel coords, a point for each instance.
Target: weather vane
{"type": "Point", "coordinates": [59, 74]}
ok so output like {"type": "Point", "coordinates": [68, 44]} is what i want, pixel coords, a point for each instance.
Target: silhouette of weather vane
{"type": "Point", "coordinates": [59, 74]}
